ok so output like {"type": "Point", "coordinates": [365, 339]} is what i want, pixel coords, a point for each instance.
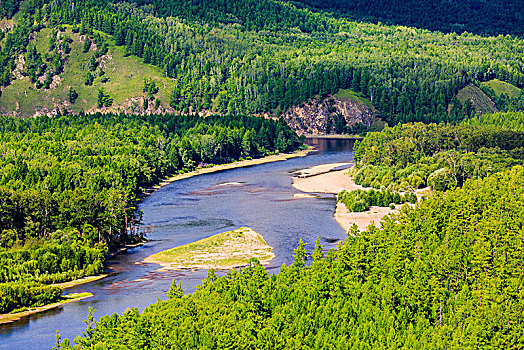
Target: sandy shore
{"type": "Point", "coordinates": [216, 168]}
{"type": "Point", "coordinates": [374, 215]}
{"type": "Point", "coordinates": [222, 251]}
{"type": "Point", "coordinates": [322, 180]}
{"type": "Point", "coordinates": [328, 182]}
{"type": "Point", "coordinates": [8, 318]}
{"type": "Point", "coordinates": [74, 283]}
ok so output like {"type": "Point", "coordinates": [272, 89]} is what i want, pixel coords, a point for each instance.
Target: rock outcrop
{"type": "Point", "coordinates": [314, 117]}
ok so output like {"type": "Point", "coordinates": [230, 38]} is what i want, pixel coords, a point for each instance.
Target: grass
{"type": "Point", "coordinates": [501, 87]}
{"type": "Point", "coordinates": [353, 96]}
{"type": "Point", "coordinates": [126, 81]}
{"type": "Point", "coordinates": [479, 99]}
{"type": "Point", "coordinates": [224, 250]}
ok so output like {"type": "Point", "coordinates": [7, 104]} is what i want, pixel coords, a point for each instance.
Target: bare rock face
{"type": "Point", "coordinates": [316, 117]}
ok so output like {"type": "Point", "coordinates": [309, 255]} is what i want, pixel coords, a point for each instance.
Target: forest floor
{"type": "Point", "coordinates": [222, 251]}
{"type": "Point", "coordinates": [221, 167]}
{"type": "Point", "coordinates": [12, 317]}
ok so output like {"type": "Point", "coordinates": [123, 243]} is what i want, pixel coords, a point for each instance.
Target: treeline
{"type": "Point", "coordinates": [441, 156]}
{"type": "Point", "coordinates": [265, 56]}
{"type": "Point", "coordinates": [68, 185]}
{"type": "Point", "coordinates": [479, 17]}
{"type": "Point", "coordinates": [15, 295]}
{"type": "Point", "coordinates": [360, 200]}
{"type": "Point", "coordinates": [445, 275]}
{"type": "Point", "coordinates": [507, 120]}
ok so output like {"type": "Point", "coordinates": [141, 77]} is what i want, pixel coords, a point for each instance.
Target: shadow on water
{"type": "Point", "coordinates": [260, 197]}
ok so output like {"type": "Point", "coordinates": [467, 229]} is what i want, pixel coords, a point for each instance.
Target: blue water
{"type": "Point", "coordinates": [260, 197]}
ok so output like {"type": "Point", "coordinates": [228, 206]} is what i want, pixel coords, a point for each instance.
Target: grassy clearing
{"type": "Point", "coordinates": [501, 87]}
{"type": "Point", "coordinates": [353, 96]}
{"type": "Point", "coordinates": [222, 251]}
{"type": "Point", "coordinates": [126, 81]}
{"type": "Point", "coordinates": [481, 102]}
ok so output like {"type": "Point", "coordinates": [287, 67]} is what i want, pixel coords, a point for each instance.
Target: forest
{"type": "Point", "coordinates": [441, 156]}
{"type": "Point", "coordinates": [262, 57]}
{"type": "Point", "coordinates": [479, 17]}
{"type": "Point", "coordinates": [444, 275]}
{"type": "Point", "coordinates": [69, 185]}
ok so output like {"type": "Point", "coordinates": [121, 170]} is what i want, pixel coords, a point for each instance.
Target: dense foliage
{"type": "Point", "coordinates": [361, 200]}
{"type": "Point", "coordinates": [14, 295]}
{"type": "Point", "coordinates": [482, 17]}
{"type": "Point", "coordinates": [265, 56]}
{"type": "Point", "coordinates": [445, 275]}
{"type": "Point", "coordinates": [68, 185]}
{"type": "Point", "coordinates": [507, 120]}
{"type": "Point", "coordinates": [442, 156]}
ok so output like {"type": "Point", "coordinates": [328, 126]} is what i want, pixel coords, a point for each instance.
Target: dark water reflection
{"type": "Point", "coordinates": [260, 197]}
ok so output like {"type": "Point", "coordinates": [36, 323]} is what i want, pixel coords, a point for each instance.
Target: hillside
{"type": "Point", "coordinates": [254, 57]}
{"type": "Point", "coordinates": [342, 113]}
{"type": "Point", "coordinates": [122, 78]}
{"type": "Point", "coordinates": [480, 102]}
{"type": "Point", "coordinates": [480, 17]}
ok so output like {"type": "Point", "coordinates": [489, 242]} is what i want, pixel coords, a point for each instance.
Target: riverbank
{"type": "Point", "coordinates": [323, 179]}
{"type": "Point", "coordinates": [222, 251]}
{"type": "Point", "coordinates": [334, 136]}
{"type": "Point", "coordinates": [80, 281]}
{"type": "Point", "coordinates": [8, 318]}
{"type": "Point", "coordinates": [228, 166]}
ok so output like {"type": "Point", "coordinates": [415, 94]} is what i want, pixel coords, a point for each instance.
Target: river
{"type": "Point", "coordinates": [260, 197]}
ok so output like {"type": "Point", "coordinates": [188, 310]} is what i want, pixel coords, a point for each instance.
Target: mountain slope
{"type": "Point", "coordinates": [263, 57]}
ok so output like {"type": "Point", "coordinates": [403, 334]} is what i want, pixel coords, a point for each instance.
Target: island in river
{"type": "Point", "coordinates": [222, 251]}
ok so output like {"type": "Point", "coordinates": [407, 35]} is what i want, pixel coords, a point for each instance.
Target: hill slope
{"type": "Point", "coordinates": [256, 57]}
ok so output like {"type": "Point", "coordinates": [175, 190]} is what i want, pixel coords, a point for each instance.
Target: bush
{"type": "Point", "coordinates": [441, 180]}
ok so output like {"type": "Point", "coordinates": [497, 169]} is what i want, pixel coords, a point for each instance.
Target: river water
{"type": "Point", "coordinates": [260, 197]}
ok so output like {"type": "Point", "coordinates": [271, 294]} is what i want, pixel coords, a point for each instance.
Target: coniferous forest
{"type": "Point", "coordinates": [445, 79]}
{"type": "Point", "coordinates": [69, 186]}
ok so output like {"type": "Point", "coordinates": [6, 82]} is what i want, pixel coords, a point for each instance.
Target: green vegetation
{"type": "Point", "coordinates": [482, 17]}
{"type": "Point", "coordinates": [14, 296]}
{"type": "Point", "coordinates": [501, 87]}
{"type": "Point", "coordinates": [122, 79]}
{"type": "Point", "coordinates": [68, 185]}
{"type": "Point", "coordinates": [506, 96]}
{"type": "Point", "coordinates": [360, 200]}
{"type": "Point", "coordinates": [224, 250]}
{"type": "Point", "coordinates": [42, 305]}
{"type": "Point", "coordinates": [441, 156]}
{"type": "Point", "coordinates": [352, 96]}
{"type": "Point", "coordinates": [507, 120]}
{"type": "Point", "coordinates": [445, 275]}
{"type": "Point", "coordinates": [250, 56]}
{"type": "Point", "coordinates": [473, 99]}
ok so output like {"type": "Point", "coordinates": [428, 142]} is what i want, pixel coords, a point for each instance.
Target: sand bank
{"type": "Point", "coordinates": [8, 318]}
{"type": "Point", "coordinates": [74, 283]}
{"type": "Point", "coordinates": [322, 180]}
{"type": "Point", "coordinates": [222, 251]}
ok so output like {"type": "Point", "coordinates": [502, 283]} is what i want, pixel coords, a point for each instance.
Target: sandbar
{"type": "Point", "coordinates": [334, 182]}
{"type": "Point", "coordinates": [8, 318]}
{"type": "Point", "coordinates": [222, 251]}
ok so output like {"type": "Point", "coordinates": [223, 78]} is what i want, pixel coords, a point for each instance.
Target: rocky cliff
{"type": "Point", "coordinates": [332, 115]}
